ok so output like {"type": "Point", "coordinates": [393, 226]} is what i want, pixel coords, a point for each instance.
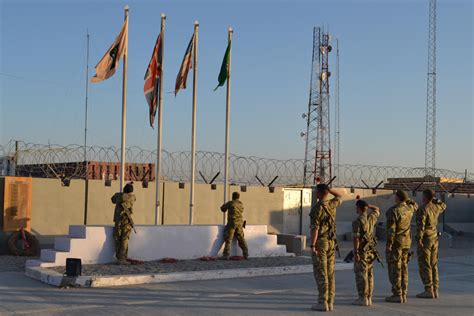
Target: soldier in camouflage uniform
{"type": "Point", "coordinates": [235, 222]}
{"type": "Point", "coordinates": [365, 251]}
{"type": "Point", "coordinates": [398, 246]}
{"type": "Point", "coordinates": [427, 238]}
{"type": "Point", "coordinates": [323, 245]}
{"type": "Point", "coordinates": [123, 222]}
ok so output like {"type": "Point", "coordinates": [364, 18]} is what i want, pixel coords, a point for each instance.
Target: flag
{"type": "Point", "coordinates": [152, 79]}
{"type": "Point", "coordinates": [184, 69]}
{"type": "Point", "coordinates": [224, 73]}
{"type": "Point", "coordinates": [108, 64]}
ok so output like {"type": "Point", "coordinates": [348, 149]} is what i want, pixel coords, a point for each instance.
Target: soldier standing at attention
{"type": "Point", "coordinates": [123, 222]}
{"type": "Point", "coordinates": [398, 245]}
{"type": "Point", "coordinates": [323, 245]}
{"type": "Point", "coordinates": [427, 238]}
{"type": "Point", "coordinates": [235, 222]}
{"type": "Point", "coordinates": [365, 251]}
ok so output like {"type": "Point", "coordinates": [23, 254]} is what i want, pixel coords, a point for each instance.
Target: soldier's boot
{"type": "Point", "coordinates": [123, 262]}
{"type": "Point", "coordinates": [361, 301]}
{"type": "Point", "coordinates": [428, 293]}
{"type": "Point", "coordinates": [435, 292]}
{"type": "Point", "coordinates": [320, 307]}
{"type": "Point", "coordinates": [369, 300]}
{"type": "Point", "coordinates": [404, 298]}
{"type": "Point", "coordinates": [330, 306]}
{"type": "Point", "coordinates": [394, 299]}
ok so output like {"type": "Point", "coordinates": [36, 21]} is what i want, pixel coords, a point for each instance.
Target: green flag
{"type": "Point", "coordinates": [224, 73]}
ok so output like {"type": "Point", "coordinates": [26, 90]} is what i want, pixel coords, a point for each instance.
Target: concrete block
{"type": "Point", "coordinates": [95, 244]}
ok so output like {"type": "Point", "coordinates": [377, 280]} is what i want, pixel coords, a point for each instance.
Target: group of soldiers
{"type": "Point", "coordinates": [324, 241]}
{"type": "Point", "coordinates": [124, 224]}
{"type": "Point", "coordinates": [398, 224]}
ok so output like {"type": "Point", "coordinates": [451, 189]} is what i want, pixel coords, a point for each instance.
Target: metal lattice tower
{"type": "Point", "coordinates": [430, 145]}
{"type": "Point", "coordinates": [337, 148]}
{"type": "Point", "coordinates": [317, 166]}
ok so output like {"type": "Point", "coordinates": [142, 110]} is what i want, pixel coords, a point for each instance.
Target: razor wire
{"type": "Point", "coordinates": [18, 157]}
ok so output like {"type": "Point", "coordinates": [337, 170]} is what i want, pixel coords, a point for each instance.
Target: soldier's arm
{"type": "Point", "coordinates": [117, 198]}
{"type": "Point", "coordinates": [374, 214]}
{"type": "Point", "coordinates": [224, 207]}
{"type": "Point", "coordinates": [356, 239]}
{"type": "Point", "coordinates": [391, 228]}
{"type": "Point", "coordinates": [336, 201]}
{"type": "Point", "coordinates": [441, 205]}
{"type": "Point", "coordinates": [420, 224]}
{"type": "Point", "coordinates": [314, 225]}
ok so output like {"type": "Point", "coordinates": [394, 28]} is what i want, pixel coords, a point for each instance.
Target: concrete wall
{"type": "Point", "coordinates": [56, 207]}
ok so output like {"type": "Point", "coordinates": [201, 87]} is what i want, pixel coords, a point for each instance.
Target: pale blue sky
{"type": "Point", "coordinates": [383, 47]}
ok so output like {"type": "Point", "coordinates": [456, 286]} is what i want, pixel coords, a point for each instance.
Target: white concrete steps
{"type": "Point", "coordinates": [95, 244]}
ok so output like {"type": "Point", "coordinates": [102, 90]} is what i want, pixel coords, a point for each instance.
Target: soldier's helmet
{"type": "Point", "coordinates": [128, 188]}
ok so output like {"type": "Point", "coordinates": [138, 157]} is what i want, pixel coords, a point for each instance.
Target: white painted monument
{"type": "Point", "coordinates": [95, 244]}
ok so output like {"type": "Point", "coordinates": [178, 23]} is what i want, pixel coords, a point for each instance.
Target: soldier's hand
{"type": "Point", "coordinates": [357, 257]}
{"type": "Point", "coordinates": [388, 249]}
{"type": "Point", "coordinates": [314, 250]}
{"type": "Point", "coordinates": [420, 244]}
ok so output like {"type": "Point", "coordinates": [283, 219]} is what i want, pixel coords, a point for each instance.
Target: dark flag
{"type": "Point", "coordinates": [224, 73]}
{"type": "Point", "coordinates": [152, 79]}
{"type": "Point", "coordinates": [184, 69]}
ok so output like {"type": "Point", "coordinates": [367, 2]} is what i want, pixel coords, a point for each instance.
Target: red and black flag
{"type": "Point", "coordinates": [185, 66]}
{"type": "Point", "coordinates": [153, 79]}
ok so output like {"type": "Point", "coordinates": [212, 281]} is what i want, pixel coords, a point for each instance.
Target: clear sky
{"type": "Point", "coordinates": [383, 48]}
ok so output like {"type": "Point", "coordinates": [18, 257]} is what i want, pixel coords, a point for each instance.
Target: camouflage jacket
{"type": "Point", "coordinates": [123, 202]}
{"type": "Point", "coordinates": [427, 219]}
{"type": "Point", "coordinates": [363, 227]}
{"type": "Point", "coordinates": [235, 213]}
{"type": "Point", "coordinates": [323, 218]}
{"type": "Point", "coordinates": [399, 223]}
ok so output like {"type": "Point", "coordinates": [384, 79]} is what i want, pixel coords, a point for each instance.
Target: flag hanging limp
{"type": "Point", "coordinates": [184, 69]}
{"type": "Point", "coordinates": [153, 79]}
{"type": "Point", "coordinates": [108, 64]}
{"type": "Point", "coordinates": [224, 73]}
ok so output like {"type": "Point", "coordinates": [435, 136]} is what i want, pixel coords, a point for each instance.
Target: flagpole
{"type": "Point", "coordinates": [124, 106]}
{"type": "Point", "coordinates": [160, 119]}
{"type": "Point", "coordinates": [193, 133]}
{"type": "Point", "coordinates": [227, 123]}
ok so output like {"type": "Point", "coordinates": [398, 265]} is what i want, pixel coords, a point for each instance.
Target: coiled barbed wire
{"type": "Point", "coordinates": [68, 161]}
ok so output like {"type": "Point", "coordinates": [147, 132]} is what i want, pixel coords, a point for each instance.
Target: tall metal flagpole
{"type": "Point", "coordinates": [124, 107]}
{"type": "Point", "coordinates": [227, 123]}
{"type": "Point", "coordinates": [193, 136]}
{"type": "Point", "coordinates": [160, 117]}
{"type": "Point", "coordinates": [86, 191]}
{"type": "Point", "coordinates": [87, 97]}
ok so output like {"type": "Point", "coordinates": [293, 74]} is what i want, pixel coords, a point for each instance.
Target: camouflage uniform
{"type": "Point", "coordinates": [427, 234]}
{"type": "Point", "coordinates": [235, 222]}
{"type": "Point", "coordinates": [123, 222]}
{"type": "Point", "coordinates": [363, 228]}
{"type": "Point", "coordinates": [399, 240]}
{"type": "Point", "coordinates": [323, 216]}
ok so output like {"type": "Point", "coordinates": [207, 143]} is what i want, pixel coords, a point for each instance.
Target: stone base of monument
{"type": "Point", "coordinates": [95, 244]}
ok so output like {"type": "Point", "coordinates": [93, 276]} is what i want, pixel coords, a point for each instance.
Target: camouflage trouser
{"type": "Point", "coordinates": [364, 275]}
{"type": "Point", "coordinates": [229, 236]}
{"type": "Point", "coordinates": [428, 263]}
{"type": "Point", "coordinates": [323, 268]}
{"type": "Point", "coordinates": [397, 266]}
{"type": "Point", "coordinates": [122, 231]}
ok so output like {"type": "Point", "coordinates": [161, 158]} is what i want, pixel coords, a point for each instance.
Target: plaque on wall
{"type": "Point", "coordinates": [17, 203]}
